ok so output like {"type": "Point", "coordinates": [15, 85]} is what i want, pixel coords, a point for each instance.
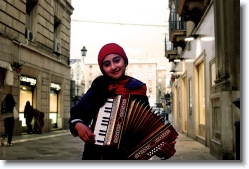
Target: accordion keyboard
{"type": "Point", "coordinates": [102, 122]}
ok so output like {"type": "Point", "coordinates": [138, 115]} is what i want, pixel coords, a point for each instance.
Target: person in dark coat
{"type": "Point", "coordinates": [29, 114]}
{"type": "Point", "coordinates": [8, 118]}
{"type": "Point", "coordinates": [112, 61]}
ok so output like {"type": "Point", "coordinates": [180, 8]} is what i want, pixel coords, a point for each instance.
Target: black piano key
{"type": "Point", "coordinates": [100, 141]}
{"type": "Point", "coordinates": [101, 134]}
{"type": "Point", "coordinates": [105, 121]}
{"type": "Point", "coordinates": [104, 124]}
{"type": "Point", "coordinates": [102, 131]}
{"type": "Point", "coordinates": [106, 118]}
{"type": "Point", "coordinates": [107, 111]}
{"type": "Point", "coordinates": [108, 108]}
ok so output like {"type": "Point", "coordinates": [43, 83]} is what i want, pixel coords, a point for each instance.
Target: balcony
{"type": "Point", "coordinates": [171, 53]}
{"type": "Point", "coordinates": [191, 10]}
{"type": "Point", "coordinates": [177, 30]}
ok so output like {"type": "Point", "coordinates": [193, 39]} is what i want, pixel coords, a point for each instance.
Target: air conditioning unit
{"type": "Point", "coordinates": [57, 46]}
{"type": "Point", "coordinates": [29, 35]}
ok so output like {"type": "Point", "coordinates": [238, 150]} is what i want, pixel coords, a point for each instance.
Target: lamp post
{"type": "Point", "coordinates": [78, 71]}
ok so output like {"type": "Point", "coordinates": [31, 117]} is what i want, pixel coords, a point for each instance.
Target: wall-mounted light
{"type": "Point", "coordinates": [178, 60]}
{"type": "Point", "coordinates": [202, 37]}
{"type": "Point", "coordinates": [207, 38]}
{"type": "Point", "coordinates": [191, 37]}
{"type": "Point", "coordinates": [189, 60]}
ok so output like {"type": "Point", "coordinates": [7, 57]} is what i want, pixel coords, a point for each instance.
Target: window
{"type": "Point", "coordinates": [150, 82]}
{"type": "Point", "coordinates": [57, 22]}
{"type": "Point", "coordinates": [190, 97]}
{"type": "Point", "coordinates": [140, 75]}
{"type": "Point", "coordinates": [149, 75]}
{"type": "Point", "coordinates": [150, 67]}
{"type": "Point", "coordinates": [29, 10]}
{"type": "Point", "coordinates": [53, 114]}
{"type": "Point", "coordinates": [212, 72]}
{"type": "Point", "coordinates": [140, 67]}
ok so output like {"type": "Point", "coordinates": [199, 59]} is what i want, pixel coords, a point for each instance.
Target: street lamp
{"type": "Point", "coordinates": [83, 52]}
{"type": "Point", "coordinates": [78, 71]}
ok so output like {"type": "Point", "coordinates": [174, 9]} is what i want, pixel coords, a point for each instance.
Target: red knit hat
{"type": "Point", "coordinates": [109, 49]}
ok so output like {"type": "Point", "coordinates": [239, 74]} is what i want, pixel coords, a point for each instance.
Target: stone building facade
{"type": "Point", "coordinates": [35, 34]}
{"type": "Point", "coordinates": [208, 73]}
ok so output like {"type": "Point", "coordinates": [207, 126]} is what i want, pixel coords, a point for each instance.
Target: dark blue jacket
{"type": "Point", "coordinates": [85, 111]}
{"type": "Point", "coordinates": [87, 108]}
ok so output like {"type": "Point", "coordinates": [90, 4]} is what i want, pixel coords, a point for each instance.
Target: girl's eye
{"type": "Point", "coordinates": [106, 64]}
{"type": "Point", "coordinates": [116, 60]}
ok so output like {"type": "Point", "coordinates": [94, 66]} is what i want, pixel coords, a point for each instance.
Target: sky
{"type": "Point", "coordinates": [141, 29]}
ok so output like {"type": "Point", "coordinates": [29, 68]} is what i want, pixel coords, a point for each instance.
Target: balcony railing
{"type": "Point", "coordinates": [176, 25]}
{"type": "Point", "coordinates": [171, 47]}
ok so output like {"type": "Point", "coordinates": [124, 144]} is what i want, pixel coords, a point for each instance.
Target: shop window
{"type": "Point", "coordinates": [53, 107]}
{"type": "Point", "coordinates": [25, 95]}
{"type": "Point", "coordinates": [2, 75]}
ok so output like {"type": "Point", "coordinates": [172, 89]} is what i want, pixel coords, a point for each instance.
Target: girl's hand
{"type": "Point", "coordinates": [85, 133]}
{"type": "Point", "coordinates": [167, 150]}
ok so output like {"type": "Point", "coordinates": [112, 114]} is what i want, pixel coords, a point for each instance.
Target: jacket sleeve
{"type": "Point", "coordinates": [84, 112]}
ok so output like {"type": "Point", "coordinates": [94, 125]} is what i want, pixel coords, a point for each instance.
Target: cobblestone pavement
{"type": "Point", "coordinates": [61, 145]}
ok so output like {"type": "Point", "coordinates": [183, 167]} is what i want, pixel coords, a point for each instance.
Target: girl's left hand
{"type": "Point", "coordinates": [167, 150]}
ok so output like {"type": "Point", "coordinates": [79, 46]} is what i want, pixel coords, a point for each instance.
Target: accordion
{"type": "Point", "coordinates": [132, 126]}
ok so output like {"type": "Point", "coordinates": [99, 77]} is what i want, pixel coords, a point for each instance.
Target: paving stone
{"type": "Point", "coordinates": [61, 145]}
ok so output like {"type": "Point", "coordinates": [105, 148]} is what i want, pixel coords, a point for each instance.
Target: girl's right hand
{"type": "Point", "coordinates": [85, 133]}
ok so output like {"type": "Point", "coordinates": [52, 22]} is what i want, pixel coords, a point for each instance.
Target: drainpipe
{"type": "Point", "coordinates": [19, 83]}
{"type": "Point", "coordinates": [19, 51]}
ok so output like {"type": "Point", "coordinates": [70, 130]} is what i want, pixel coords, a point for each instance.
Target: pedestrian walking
{"type": "Point", "coordinates": [29, 114]}
{"type": "Point", "coordinates": [112, 62]}
{"type": "Point", "coordinates": [7, 107]}
{"type": "Point", "coordinates": [38, 121]}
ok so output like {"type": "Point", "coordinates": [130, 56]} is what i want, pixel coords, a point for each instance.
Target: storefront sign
{"type": "Point", "coordinates": [30, 80]}
{"type": "Point", "coordinates": [55, 86]}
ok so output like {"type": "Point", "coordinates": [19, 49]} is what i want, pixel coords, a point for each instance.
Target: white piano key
{"type": "Point", "coordinates": [102, 122]}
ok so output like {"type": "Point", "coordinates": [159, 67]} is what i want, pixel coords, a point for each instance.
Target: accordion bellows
{"type": "Point", "coordinates": [132, 126]}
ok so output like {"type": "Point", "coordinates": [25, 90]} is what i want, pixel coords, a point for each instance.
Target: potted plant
{"type": "Point", "coordinates": [174, 77]}
{"type": "Point", "coordinates": [16, 66]}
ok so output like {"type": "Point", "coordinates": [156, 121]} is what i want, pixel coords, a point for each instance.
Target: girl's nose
{"type": "Point", "coordinates": [113, 65]}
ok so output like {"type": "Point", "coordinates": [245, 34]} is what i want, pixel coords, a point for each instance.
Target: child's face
{"type": "Point", "coordinates": [114, 66]}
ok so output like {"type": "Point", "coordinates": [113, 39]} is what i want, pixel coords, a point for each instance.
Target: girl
{"type": "Point", "coordinates": [112, 62]}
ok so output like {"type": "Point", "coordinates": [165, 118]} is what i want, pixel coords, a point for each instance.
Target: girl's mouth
{"type": "Point", "coordinates": [115, 72]}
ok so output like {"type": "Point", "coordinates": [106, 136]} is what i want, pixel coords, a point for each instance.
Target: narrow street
{"type": "Point", "coordinates": [61, 145]}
